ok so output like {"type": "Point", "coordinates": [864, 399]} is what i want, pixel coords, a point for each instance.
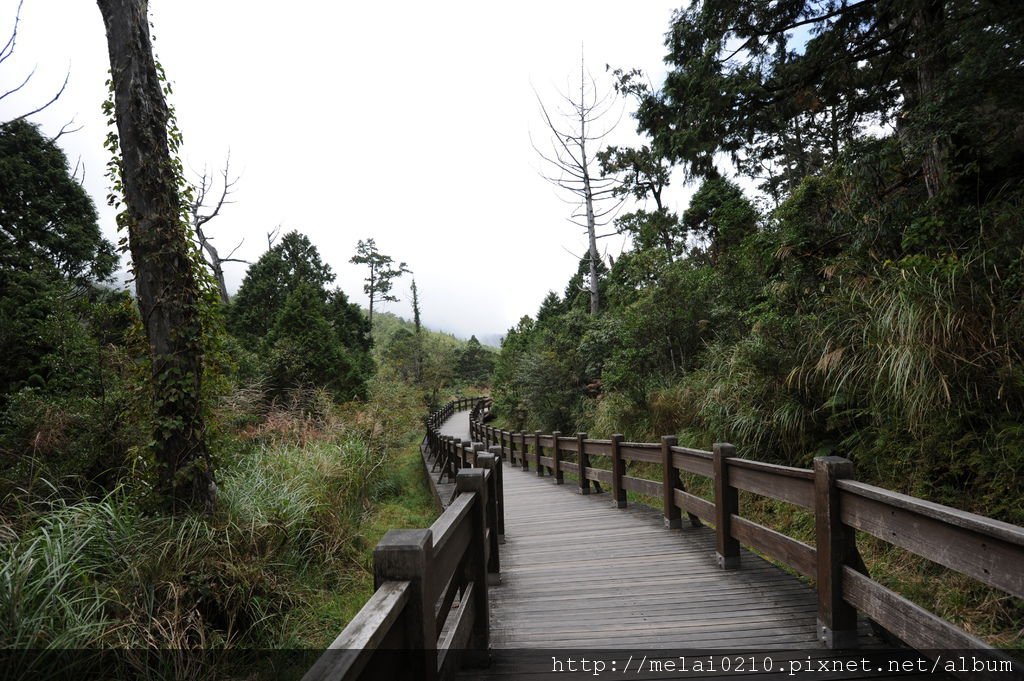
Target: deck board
{"type": "Point", "coordinates": [579, 574]}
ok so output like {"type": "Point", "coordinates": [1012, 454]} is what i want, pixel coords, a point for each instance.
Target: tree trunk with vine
{"type": "Point", "coordinates": [163, 257]}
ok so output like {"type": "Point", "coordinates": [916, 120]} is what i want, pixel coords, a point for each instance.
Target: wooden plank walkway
{"type": "Point", "coordinates": [457, 425]}
{"type": "Point", "coordinates": [578, 574]}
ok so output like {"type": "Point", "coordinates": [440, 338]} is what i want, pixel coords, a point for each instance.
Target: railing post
{"type": "Point", "coordinates": [451, 463]}
{"type": "Point", "coordinates": [727, 503]}
{"type": "Point", "coordinates": [670, 482]}
{"type": "Point", "coordinates": [836, 544]}
{"type": "Point", "coordinates": [556, 459]}
{"type": "Point", "coordinates": [477, 448]}
{"type": "Point", "coordinates": [500, 486]}
{"type": "Point", "coordinates": [464, 449]}
{"type": "Point", "coordinates": [472, 481]}
{"type": "Point", "coordinates": [584, 462]}
{"type": "Point", "coordinates": [489, 464]}
{"type": "Point", "coordinates": [406, 555]}
{"type": "Point", "coordinates": [537, 450]}
{"type": "Point", "coordinates": [524, 454]}
{"type": "Point", "coordinates": [618, 472]}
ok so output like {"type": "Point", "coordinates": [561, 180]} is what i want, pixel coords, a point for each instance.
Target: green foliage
{"type": "Point", "coordinates": [433, 364]}
{"type": "Point", "coordinates": [784, 89]}
{"type": "Point", "coordinates": [82, 417]}
{"type": "Point", "coordinates": [475, 363]}
{"type": "Point", "coordinates": [50, 245]}
{"type": "Point", "coordinates": [720, 217]}
{"type": "Point", "coordinates": [271, 280]}
{"type": "Point", "coordinates": [282, 563]}
{"type": "Point", "coordinates": [643, 174]}
{"type": "Point", "coordinates": [875, 313]}
{"type": "Point", "coordinates": [381, 272]}
{"type": "Point", "coordinates": [303, 348]}
{"type": "Point", "coordinates": [304, 334]}
{"type": "Point", "coordinates": [48, 221]}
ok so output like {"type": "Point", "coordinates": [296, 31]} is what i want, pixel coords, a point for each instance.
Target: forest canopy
{"type": "Point", "coordinates": [848, 277]}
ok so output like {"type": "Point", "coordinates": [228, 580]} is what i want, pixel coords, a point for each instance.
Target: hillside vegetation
{"type": "Point", "coordinates": [865, 300]}
{"type": "Point", "coordinates": [312, 434]}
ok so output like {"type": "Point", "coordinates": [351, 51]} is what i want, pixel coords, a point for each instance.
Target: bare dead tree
{"type": "Point", "coordinates": [204, 209]}
{"type": "Point", "coordinates": [576, 134]}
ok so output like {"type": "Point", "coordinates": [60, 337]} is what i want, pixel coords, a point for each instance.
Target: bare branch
{"type": "Point", "coordinates": [63, 86]}
{"type": "Point", "coordinates": [234, 250]}
{"type": "Point", "coordinates": [8, 48]}
{"type": "Point", "coordinates": [202, 191]}
{"type": "Point", "coordinates": [21, 85]}
{"type": "Point", "coordinates": [66, 129]}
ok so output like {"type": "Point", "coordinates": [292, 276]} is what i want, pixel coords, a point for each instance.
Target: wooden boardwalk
{"type": "Point", "coordinates": [531, 578]}
{"type": "Point", "coordinates": [571, 559]}
{"type": "Point", "coordinates": [444, 490]}
{"type": "Point", "coordinates": [579, 574]}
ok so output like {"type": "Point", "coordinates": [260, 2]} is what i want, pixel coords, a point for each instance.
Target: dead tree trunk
{"type": "Point", "coordinates": [203, 213]}
{"type": "Point", "coordinates": [570, 158]}
{"type": "Point", "coordinates": [165, 281]}
{"type": "Point", "coordinates": [588, 194]}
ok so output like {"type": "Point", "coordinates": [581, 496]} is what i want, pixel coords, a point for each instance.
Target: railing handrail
{"type": "Point", "coordinates": [419, 574]}
{"type": "Point", "coordinates": [982, 548]}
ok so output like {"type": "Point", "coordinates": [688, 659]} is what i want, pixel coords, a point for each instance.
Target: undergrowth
{"type": "Point", "coordinates": [284, 562]}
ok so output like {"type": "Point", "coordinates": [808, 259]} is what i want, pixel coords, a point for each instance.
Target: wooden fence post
{"type": "Point", "coordinates": [584, 462]}
{"type": "Point", "coordinates": [477, 448]}
{"type": "Point", "coordinates": [836, 545]}
{"type": "Point", "coordinates": [464, 449]}
{"type": "Point", "coordinates": [538, 450]}
{"type": "Point", "coordinates": [556, 463]}
{"type": "Point", "coordinates": [451, 461]}
{"type": "Point", "coordinates": [472, 481]}
{"type": "Point", "coordinates": [523, 451]}
{"type": "Point", "coordinates": [670, 482]}
{"type": "Point", "coordinates": [727, 503]}
{"type": "Point", "coordinates": [618, 471]}
{"type": "Point", "coordinates": [499, 485]}
{"type": "Point", "coordinates": [488, 463]}
{"type": "Point", "coordinates": [406, 555]}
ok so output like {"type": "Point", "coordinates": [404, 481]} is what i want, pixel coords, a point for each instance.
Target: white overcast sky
{"type": "Point", "coordinates": [406, 122]}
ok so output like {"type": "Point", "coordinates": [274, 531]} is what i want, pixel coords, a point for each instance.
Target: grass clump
{"type": "Point", "coordinates": [284, 561]}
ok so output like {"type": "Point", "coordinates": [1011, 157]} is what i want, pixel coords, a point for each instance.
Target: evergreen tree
{"type": "Point", "coordinates": [306, 335]}
{"type": "Point", "coordinates": [475, 362]}
{"type": "Point", "coordinates": [271, 280]}
{"type": "Point", "coordinates": [46, 218]}
{"type": "Point", "coordinates": [50, 243]}
{"type": "Point", "coordinates": [381, 274]}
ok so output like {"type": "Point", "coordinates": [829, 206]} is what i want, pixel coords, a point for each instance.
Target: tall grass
{"type": "Point", "coordinates": [49, 597]}
{"type": "Point", "coordinates": [288, 538]}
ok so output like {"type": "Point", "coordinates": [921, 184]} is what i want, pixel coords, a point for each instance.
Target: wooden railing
{"type": "Point", "coordinates": [429, 615]}
{"type": "Point", "coordinates": [990, 551]}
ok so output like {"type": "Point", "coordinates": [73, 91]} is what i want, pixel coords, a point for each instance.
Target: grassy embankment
{"type": "Point", "coordinates": [284, 562]}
